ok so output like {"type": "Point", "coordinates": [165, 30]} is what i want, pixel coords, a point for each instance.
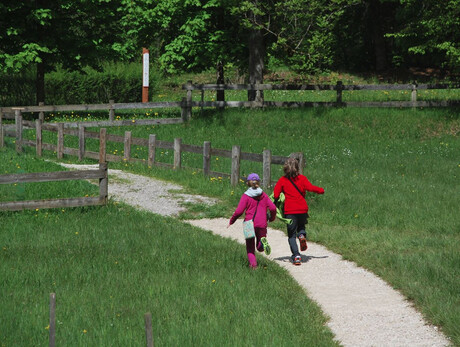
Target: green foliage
{"type": "Point", "coordinates": [119, 82]}
{"type": "Point", "coordinates": [17, 89]}
{"type": "Point", "coordinates": [59, 32]}
{"type": "Point", "coordinates": [429, 28]}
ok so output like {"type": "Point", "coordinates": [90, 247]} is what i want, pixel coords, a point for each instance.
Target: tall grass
{"type": "Point", "coordinates": [391, 179]}
{"type": "Point", "coordinates": [110, 265]}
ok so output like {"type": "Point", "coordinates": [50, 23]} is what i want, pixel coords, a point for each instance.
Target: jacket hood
{"type": "Point", "coordinates": [254, 193]}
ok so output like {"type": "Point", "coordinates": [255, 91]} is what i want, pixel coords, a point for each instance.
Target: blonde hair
{"type": "Point", "coordinates": [291, 168]}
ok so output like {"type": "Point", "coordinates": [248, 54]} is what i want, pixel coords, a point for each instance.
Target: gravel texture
{"type": "Point", "coordinates": [363, 310]}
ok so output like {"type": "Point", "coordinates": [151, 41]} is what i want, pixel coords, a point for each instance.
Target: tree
{"type": "Point", "coordinates": [429, 29]}
{"type": "Point", "coordinates": [47, 33]}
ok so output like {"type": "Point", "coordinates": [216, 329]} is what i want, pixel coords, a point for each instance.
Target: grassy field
{"type": "Point", "coordinates": [110, 265]}
{"type": "Point", "coordinates": [391, 178]}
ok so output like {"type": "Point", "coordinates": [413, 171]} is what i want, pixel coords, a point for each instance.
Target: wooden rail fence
{"type": "Point", "coordinates": [100, 174]}
{"type": "Point", "coordinates": [187, 103]}
{"type": "Point", "coordinates": [339, 88]}
{"type": "Point", "coordinates": [10, 112]}
{"type": "Point", "coordinates": [152, 143]}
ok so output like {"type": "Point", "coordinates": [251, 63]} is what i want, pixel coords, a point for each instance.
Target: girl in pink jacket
{"type": "Point", "coordinates": [255, 202]}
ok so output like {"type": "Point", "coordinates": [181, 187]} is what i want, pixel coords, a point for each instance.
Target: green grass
{"type": "Point", "coordinates": [110, 265]}
{"type": "Point", "coordinates": [391, 178]}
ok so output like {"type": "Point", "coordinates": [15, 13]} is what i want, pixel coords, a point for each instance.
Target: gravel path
{"type": "Point", "coordinates": [363, 309]}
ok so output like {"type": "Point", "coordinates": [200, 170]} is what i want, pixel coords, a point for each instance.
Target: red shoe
{"type": "Point", "coordinates": [297, 260]}
{"type": "Point", "coordinates": [303, 242]}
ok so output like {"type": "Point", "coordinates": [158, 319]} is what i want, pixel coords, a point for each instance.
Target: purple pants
{"type": "Point", "coordinates": [251, 245]}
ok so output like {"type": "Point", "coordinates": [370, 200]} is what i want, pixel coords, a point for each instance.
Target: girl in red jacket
{"type": "Point", "coordinates": [255, 203]}
{"type": "Point", "coordinates": [294, 186]}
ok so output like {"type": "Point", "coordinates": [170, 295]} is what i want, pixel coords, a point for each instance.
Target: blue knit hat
{"type": "Point", "coordinates": [253, 177]}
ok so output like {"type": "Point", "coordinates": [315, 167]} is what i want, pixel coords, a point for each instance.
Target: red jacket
{"type": "Point", "coordinates": [295, 203]}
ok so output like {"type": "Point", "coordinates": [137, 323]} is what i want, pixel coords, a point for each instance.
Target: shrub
{"type": "Point", "coordinates": [121, 82]}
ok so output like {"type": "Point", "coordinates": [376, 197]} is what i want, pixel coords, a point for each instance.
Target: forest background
{"type": "Point", "coordinates": [96, 40]}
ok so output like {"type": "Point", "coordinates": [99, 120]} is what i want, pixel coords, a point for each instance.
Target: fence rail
{"type": "Point", "coordinates": [9, 112]}
{"type": "Point", "coordinates": [100, 174]}
{"type": "Point", "coordinates": [339, 88]}
{"type": "Point", "coordinates": [152, 143]}
{"type": "Point", "coordinates": [187, 103]}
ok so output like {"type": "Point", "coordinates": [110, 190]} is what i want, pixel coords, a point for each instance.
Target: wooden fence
{"type": "Point", "coordinates": [100, 174]}
{"type": "Point", "coordinates": [111, 107]}
{"type": "Point", "coordinates": [187, 103]}
{"type": "Point", "coordinates": [339, 88]}
{"type": "Point", "coordinates": [152, 143]}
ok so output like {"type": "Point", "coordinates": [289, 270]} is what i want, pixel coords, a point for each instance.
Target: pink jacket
{"type": "Point", "coordinates": [249, 204]}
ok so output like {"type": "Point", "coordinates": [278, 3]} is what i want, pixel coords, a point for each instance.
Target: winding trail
{"type": "Point", "coordinates": [363, 310]}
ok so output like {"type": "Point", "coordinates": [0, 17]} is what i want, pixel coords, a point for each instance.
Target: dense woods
{"type": "Point", "coordinates": [253, 36]}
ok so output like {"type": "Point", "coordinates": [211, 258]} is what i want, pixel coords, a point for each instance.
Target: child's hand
{"type": "Point", "coordinates": [228, 226]}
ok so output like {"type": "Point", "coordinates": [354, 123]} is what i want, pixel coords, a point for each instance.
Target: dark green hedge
{"type": "Point", "coordinates": [119, 82]}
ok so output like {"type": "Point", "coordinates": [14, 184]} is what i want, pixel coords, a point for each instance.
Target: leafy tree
{"type": "Point", "coordinates": [187, 35]}
{"type": "Point", "coordinates": [429, 29]}
{"type": "Point", "coordinates": [46, 33]}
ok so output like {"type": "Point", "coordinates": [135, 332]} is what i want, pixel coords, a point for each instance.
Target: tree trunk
{"type": "Point", "coordinates": [377, 23]}
{"type": "Point", "coordinates": [256, 64]}
{"type": "Point", "coordinates": [40, 77]}
{"type": "Point", "coordinates": [220, 80]}
{"type": "Point", "coordinates": [40, 82]}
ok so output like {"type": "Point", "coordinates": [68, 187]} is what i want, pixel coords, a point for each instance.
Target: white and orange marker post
{"type": "Point", "coordinates": [145, 75]}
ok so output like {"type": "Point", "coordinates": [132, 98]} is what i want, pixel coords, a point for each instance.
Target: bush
{"type": "Point", "coordinates": [17, 89]}
{"type": "Point", "coordinates": [117, 81]}
{"type": "Point", "coordinates": [121, 82]}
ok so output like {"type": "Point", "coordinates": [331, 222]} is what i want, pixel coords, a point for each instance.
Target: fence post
{"type": "Point", "coordinates": [202, 101]}
{"type": "Point", "coordinates": [52, 325]}
{"type": "Point", "coordinates": [18, 120]}
{"type": "Point", "coordinates": [127, 150]}
{"type": "Point", "coordinates": [152, 149]}
{"type": "Point", "coordinates": [339, 88]}
{"type": "Point", "coordinates": [177, 153]}
{"type": "Point", "coordinates": [81, 142]}
{"type": "Point", "coordinates": [413, 96]}
{"type": "Point", "coordinates": [183, 110]}
{"type": "Point", "coordinates": [38, 137]}
{"type": "Point", "coordinates": [60, 140]}
{"type": "Point", "coordinates": [102, 145]}
{"type": "Point", "coordinates": [267, 171]}
{"type": "Point", "coordinates": [148, 329]}
{"type": "Point", "coordinates": [235, 175]}
{"type": "Point", "coordinates": [111, 111]}
{"type": "Point", "coordinates": [2, 134]}
{"type": "Point", "coordinates": [207, 158]}
{"type": "Point", "coordinates": [188, 113]}
{"type": "Point", "coordinates": [103, 183]}
{"type": "Point", "coordinates": [41, 114]}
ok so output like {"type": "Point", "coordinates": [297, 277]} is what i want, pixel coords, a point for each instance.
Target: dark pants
{"type": "Point", "coordinates": [295, 229]}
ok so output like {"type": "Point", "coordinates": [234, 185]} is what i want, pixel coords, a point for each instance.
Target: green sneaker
{"type": "Point", "coordinates": [267, 248]}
